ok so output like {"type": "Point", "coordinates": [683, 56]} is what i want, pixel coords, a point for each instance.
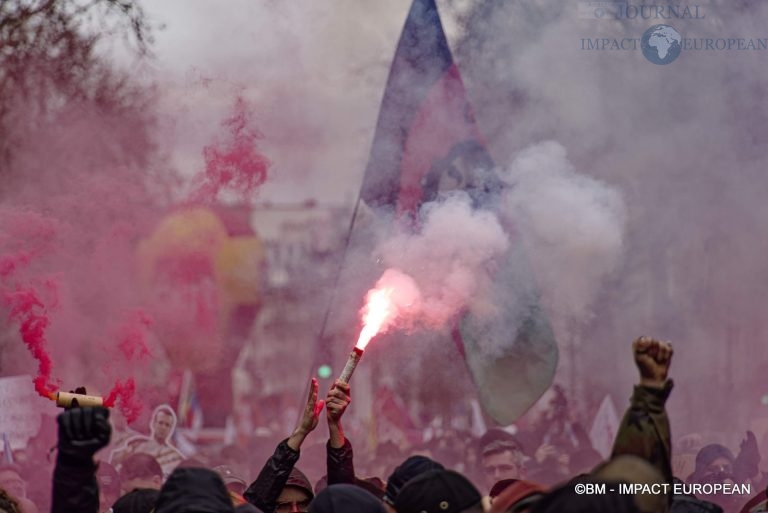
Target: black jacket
{"type": "Point", "coordinates": [74, 485]}
{"type": "Point", "coordinates": [341, 467]}
{"type": "Point", "coordinates": [265, 490]}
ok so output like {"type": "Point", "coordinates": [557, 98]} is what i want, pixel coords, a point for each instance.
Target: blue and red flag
{"type": "Point", "coordinates": [427, 141]}
{"type": "Point", "coordinates": [426, 126]}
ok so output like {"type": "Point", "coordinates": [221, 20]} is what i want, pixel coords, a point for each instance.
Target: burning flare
{"type": "Point", "coordinates": [378, 312]}
{"type": "Point", "coordinates": [395, 297]}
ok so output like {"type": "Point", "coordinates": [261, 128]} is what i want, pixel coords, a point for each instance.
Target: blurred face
{"type": "Point", "coordinates": [501, 465]}
{"type": "Point", "coordinates": [719, 471]}
{"type": "Point", "coordinates": [161, 426]}
{"type": "Point", "coordinates": [292, 500]}
{"type": "Point", "coordinates": [12, 483]}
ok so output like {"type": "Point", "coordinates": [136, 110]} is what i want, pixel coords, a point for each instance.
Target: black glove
{"type": "Point", "coordinates": [83, 431]}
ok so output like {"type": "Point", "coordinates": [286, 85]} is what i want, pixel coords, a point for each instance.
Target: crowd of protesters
{"type": "Point", "coordinates": [545, 469]}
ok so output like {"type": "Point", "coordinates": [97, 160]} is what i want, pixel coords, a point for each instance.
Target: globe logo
{"type": "Point", "coordinates": [661, 44]}
{"type": "Point", "coordinates": [599, 12]}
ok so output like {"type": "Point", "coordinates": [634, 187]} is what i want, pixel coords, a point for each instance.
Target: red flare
{"type": "Point", "coordinates": [26, 308]}
{"type": "Point", "coordinates": [395, 295]}
{"type": "Point", "coordinates": [129, 406]}
{"type": "Point", "coordinates": [377, 313]}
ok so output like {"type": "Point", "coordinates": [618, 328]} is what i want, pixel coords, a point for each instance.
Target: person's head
{"type": "Point", "coordinates": [345, 498]}
{"type": "Point", "coordinates": [163, 423]}
{"type": "Point", "coordinates": [634, 470]}
{"type": "Point", "coordinates": [12, 482]}
{"type": "Point", "coordinates": [714, 464]}
{"type": "Point", "coordinates": [517, 497]}
{"type": "Point", "coordinates": [407, 470]}
{"type": "Point", "coordinates": [137, 501]}
{"type": "Point", "coordinates": [501, 457]}
{"type": "Point", "coordinates": [189, 490]}
{"type": "Point", "coordinates": [140, 471]}
{"type": "Point", "coordinates": [373, 485]}
{"type": "Point", "coordinates": [232, 481]}
{"type": "Point", "coordinates": [296, 495]}
{"type": "Point", "coordinates": [109, 485]}
{"type": "Point", "coordinates": [439, 491]}
{"type": "Point", "coordinates": [500, 486]}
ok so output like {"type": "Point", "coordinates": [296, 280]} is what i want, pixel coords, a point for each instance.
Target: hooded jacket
{"type": "Point", "coordinates": [265, 490]}
{"type": "Point", "coordinates": [194, 490]}
{"type": "Point", "coordinates": [276, 474]}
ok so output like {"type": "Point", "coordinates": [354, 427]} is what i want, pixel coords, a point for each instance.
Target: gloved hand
{"type": "Point", "coordinates": [83, 431]}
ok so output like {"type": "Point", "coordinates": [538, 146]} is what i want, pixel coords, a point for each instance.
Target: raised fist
{"type": "Point", "coordinates": [83, 431]}
{"type": "Point", "coordinates": [652, 358]}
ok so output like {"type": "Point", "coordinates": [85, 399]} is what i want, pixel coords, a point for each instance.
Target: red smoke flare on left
{"type": "Point", "coordinates": [26, 308]}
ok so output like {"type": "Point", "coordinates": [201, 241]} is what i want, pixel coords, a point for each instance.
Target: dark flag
{"type": "Point", "coordinates": [426, 133]}
{"type": "Point", "coordinates": [427, 141]}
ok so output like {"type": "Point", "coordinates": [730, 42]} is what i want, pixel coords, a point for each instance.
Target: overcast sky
{"type": "Point", "coordinates": [313, 71]}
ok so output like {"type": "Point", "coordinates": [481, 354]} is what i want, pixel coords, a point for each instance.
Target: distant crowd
{"type": "Point", "coordinates": [549, 467]}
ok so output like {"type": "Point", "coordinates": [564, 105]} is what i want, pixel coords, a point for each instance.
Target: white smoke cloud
{"type": "Point", "coordinates": [690, 170]}
{"type": "Point", "coordinates": [448, 257]}
{"type": "Point", "coordinates": [571, 224]}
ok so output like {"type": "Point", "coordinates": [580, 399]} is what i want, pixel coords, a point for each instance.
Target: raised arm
{"type": "Point", "coordinates": [265, 490]}
{"type": "Point", "coordinates": [82, 432]}
{"type": "Point", "coordinates": [644, 430]}
{"type": "Point", "coordinates": [339, 461]}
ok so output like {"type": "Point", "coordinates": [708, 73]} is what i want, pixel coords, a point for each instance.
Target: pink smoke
{"type": "Point", "coordinates": [125, 395]}
{"type": "Point", "coordinates": [132, 335]}
{"type": "Point", "coordinates": [10, 263]}
{"type": "Point", "coordinates": [26, 308]}
{"type": "Point", "coordinates": [235, 164]}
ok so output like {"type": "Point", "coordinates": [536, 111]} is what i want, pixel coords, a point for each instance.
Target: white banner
{"type": "Point", "coordinates": [20, 409]}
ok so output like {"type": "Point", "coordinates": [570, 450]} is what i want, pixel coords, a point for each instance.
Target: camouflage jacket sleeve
{"type": "Point", "coordinates": [644, 430]}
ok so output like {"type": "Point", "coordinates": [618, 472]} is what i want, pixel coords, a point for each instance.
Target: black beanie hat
{"type": "Point", "coordinates": [410, 468]}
